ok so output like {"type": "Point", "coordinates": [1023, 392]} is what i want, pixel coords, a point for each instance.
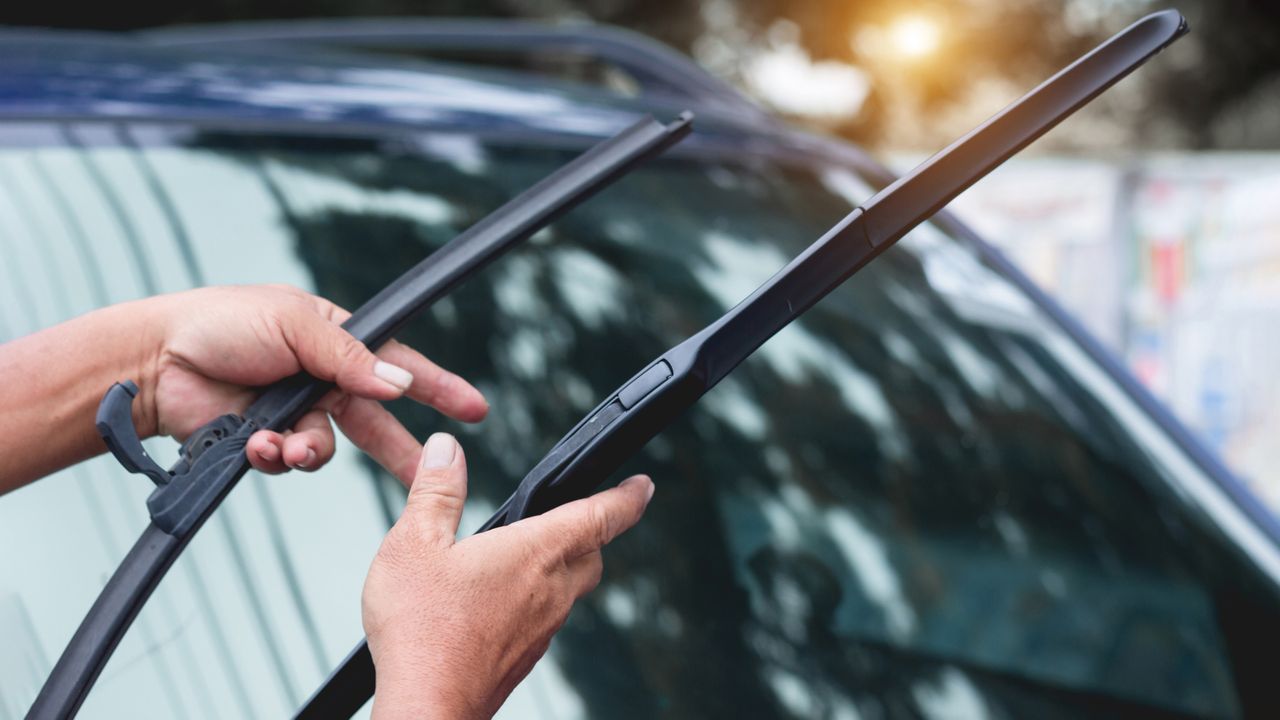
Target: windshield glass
{"type": "Point", "coordinates": [920, 499]}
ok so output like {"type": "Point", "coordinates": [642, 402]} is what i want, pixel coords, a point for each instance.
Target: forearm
{"type": "Point", "coordinates": [51, 382]}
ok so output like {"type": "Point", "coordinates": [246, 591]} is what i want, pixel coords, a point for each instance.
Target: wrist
{"type": "Point", "coordinates": [140, 356]}
{"type": "Point", "coordinates": [394, 701]}
{"type": "Point", "coordinates": [66, 369]}
{"type": "Point", "coordinates": [405, 689]}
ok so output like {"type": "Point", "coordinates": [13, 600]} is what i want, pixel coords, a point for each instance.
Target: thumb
{"type": "Point", "coordinates": [584, 526]}
{"type": "Point", "coordinates": [327, 351]}
{"type": "Point", "coordinates": [439, 490]}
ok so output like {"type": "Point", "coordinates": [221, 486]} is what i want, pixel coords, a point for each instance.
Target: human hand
{"type": "Point", "coordinates": [453, 627]}
{"type": "Point", "coordinates": [219, 345]}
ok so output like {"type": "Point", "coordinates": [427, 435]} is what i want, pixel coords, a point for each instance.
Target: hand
{"type": "Point", "coordinates": [453, 627]}
{"type": "Point", "coordinates": [219, 344]}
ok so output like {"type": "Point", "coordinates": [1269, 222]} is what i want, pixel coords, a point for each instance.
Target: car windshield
{"type": "Point", "coordinates": [921, 499]}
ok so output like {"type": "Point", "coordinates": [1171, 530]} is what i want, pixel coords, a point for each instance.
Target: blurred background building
{"type": "Point", "coordinates": [1173, 259]}
{"type": "Point", "coordinates": [1154, 214]}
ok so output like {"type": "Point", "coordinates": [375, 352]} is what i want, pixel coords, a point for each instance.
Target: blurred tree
{"type": "Point", "coordinates": [1218, 88]}
{"type": "Point", "coordinates": [914, 73]}
{"type": "Point", "coordinates": [1227, 94]}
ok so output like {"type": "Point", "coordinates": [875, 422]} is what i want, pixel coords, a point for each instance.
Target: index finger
{"type": "Point", "coordinates": [431, 384]}
{"type": "Point", "coordinates": [584, 526]}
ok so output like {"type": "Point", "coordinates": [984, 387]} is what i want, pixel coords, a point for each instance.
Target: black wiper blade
{"type": "Point", "coordinates": [647, 403]}
{"type": "Point", "coordinates": [213, 460]}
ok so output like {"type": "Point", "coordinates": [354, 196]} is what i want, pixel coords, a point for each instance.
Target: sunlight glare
{"type": "Point", "coordinates": [914, 36]}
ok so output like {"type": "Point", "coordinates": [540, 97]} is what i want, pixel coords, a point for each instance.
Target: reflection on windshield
{"type": "Point", "coordinates": [903, 500]}
{"type": "Point", "coordinates": [916, 501]}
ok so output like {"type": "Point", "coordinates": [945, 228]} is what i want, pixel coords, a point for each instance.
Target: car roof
{"type": "Point", "coordinates": [90, 74]}
{"type": "Point", "coordinates": [62, 74]}
{"type": "Point", "coordinates": [254, 75]}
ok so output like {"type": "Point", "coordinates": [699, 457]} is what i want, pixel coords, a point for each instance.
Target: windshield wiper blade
{"type": "Point", "coordinates": [638, 410]}
{"type": "Point", "coordinates": [213, 460]}
{"type": "Point", "coordinates": [617, 428]}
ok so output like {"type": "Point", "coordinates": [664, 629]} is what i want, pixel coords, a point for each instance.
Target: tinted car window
{"type": "Point", "coordinates": [921, 499]}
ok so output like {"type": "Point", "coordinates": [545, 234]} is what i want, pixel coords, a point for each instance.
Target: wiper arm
{"type": "Point", "coordinates": [213, 459]}
{"type": "Point", "coordinates": [647, 403]}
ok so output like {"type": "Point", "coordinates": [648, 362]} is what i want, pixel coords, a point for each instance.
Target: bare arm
{"type": "Point", "coordinates": [52, 382]}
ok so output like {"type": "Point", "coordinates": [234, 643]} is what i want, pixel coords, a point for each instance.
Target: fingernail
{"type": "Point", "coordinates": [308, 460]}
{"type": "Point", "coordinates": [439, 451]}
{"type": "Point", "coordinates": [641, 479]}
{"type": "Point", "coordinates": [269, 452]}
{"type": "Point", "coordinates": [393, 375]}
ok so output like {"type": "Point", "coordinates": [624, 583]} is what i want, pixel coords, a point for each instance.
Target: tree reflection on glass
{"type": "Point", "coordinates": [910, 502]}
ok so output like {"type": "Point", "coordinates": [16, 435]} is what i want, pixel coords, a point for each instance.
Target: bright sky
{"type": "Point", "coordinates": [792, 82]}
